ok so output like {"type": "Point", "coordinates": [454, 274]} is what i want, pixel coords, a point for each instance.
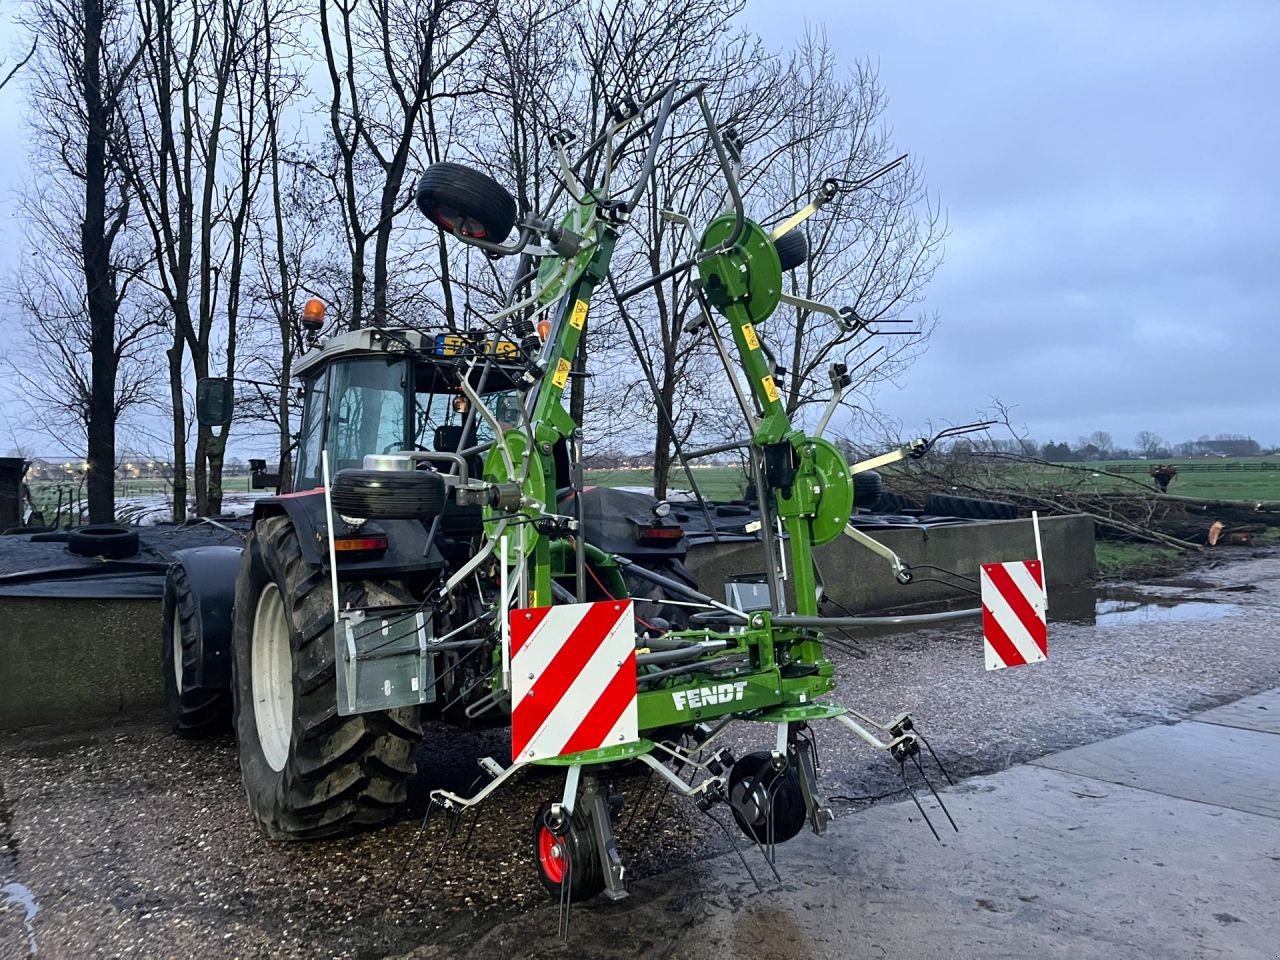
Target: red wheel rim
{"type": "Point", "coordinates": [450, 220]}
{"type": "Point", "coordinates": [548, 848]}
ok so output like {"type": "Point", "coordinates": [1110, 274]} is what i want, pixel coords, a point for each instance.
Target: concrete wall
{"type": "Point", "coordinates": [62, 659]}
{"type": "Point", "coordinates": [97, 658]}
{"type": "Point", "coordinates": [862, 581]}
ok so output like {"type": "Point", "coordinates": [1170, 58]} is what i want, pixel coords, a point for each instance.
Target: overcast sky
{"type": "Point", "coordinates": [1111, 173]}
{"type": "Point", "coordinates": [1109, 170]}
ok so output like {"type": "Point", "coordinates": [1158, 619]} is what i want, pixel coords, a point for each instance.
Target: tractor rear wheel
{"type": "Point", "coordinates": [307, 771]}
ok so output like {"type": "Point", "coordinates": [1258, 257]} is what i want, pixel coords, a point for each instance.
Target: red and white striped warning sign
{"type": "Point", "coordinates": [573, 678]}
{"type": "Point", "coordinates": [1014, 631]}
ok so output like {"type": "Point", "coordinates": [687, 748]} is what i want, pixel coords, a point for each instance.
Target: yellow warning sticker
{"type": "Point", "coordinates": [561, 376]}
{"type": "Point", "coordinates": [749, 334]}
{"type": "Point", "coordinates": [770, 389]}
{"type": "Point", "coordinates": [579, 316]}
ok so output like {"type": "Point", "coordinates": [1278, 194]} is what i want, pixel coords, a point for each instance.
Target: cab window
{"type": "Point", "coordinates": [367, 412]}
{"type": "Point", "coordinates": [311, 437]}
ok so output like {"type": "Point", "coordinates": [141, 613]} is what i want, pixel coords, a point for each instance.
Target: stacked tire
{"type": "Point", "coordinates": [969, 508]}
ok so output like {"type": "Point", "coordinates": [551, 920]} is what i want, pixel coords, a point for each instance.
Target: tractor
{"type": "Point", "coordinates": [436, 562]}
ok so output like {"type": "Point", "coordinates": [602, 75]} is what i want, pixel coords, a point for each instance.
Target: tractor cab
{"type": "Point", "coordinates": [374, 391]}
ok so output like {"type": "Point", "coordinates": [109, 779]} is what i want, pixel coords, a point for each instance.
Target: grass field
{"type": "Point", "coordinates": [715, 483]}
{"type": "Point", "coordinates": [1217, 483]}
{"type": "Point", "coordinates": [1133, 560]}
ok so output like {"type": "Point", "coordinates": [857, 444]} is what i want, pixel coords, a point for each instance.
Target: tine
{"type": "Point", "coordinates": [654, 815]}
{"type": "Point", "coordinates": [635, 806]}
{"type": "Point", "coordinates": [475, 819]}
{"type": "Point", "coordinates": [413, 848]}
{"type": "Point", "coordinates": [450, 832]}
{"type": "Point", "coordinates": [471, 829]}
{"type": "Point", "coordinates": [566, 887]}
{"type": "Point", "coordinates": [777, 876]}
{"type": "Point", "coordinates": [729, 837]}
{"type": "Point", "coordinates": [925, 778]}
{"type": "Point", "coordinates": [935, 758]}
{"type": "Point", "coordinates": [902, 768]}
{"type": "Point", "coordinates": [772, 833]}
{"type": "Point", "coordinates": [761, 848]}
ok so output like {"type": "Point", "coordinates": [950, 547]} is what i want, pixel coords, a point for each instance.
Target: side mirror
{"type": "Point", "coordinates": [215, 402]}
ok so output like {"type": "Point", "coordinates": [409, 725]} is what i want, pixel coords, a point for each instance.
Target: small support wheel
{"type": "Point", "coordinates": [564, 850]}
{"type": "Point", "coordinates": [793, 249]}
{"type": "Point", "coordinates": [458, 198]}
{"type": "Point", "coordinates": [757, 790]}
{"type": "Point", "coordinates": [388, 494]}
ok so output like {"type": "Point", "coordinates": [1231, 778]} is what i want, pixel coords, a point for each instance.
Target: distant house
{"type": "Point", "coordinates": [1238, 447]}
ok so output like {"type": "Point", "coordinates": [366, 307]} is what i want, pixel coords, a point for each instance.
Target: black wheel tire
{"type": "Point", "coordinates": [388, 494]}
{"type": "Point", "coordinates": [753, 785]}
{"type": "Point", "coordinates": [866, 488]}
{"type": "Point", "coordinates": [969, 508]}
{"type": "Point", "coordinates": [586, 873]}
{"type": "Point", "coordinates": [793, 248]}
{"type": "Point", "coordinates": [454, 196]}
{"type": "Point", "coordinates": [895, 503]}
{"type": "Point", "coordinates": [194, 711]}
{"type": "Point", "coordinates": [104, 540]}
{"type": "Point", "coordinates": [341, 774]}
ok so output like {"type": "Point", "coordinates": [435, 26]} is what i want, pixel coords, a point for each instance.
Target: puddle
{"type": "Point", "coordinates": [13, 893]}
{"type": "Point", "coordinates": [1114, 608]}
{"type": "Point", "coordinates": [16, 893]}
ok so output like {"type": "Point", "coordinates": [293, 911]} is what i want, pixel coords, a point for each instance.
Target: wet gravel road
{"type": "Point", "coordinates": [123, 841]}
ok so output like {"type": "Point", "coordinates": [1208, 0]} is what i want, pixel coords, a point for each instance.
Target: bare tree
{"type": "Point", "coordinates": [13, 71]}
{"type": "Point", "coordinates": [195, 159]}
{"type": "Point", "coordinates": [1148, 442]}
{"type": "Point", "coordinates": [872, 250]}
{"type": "Point", "coordinates": [85, 61]}
{"type": "Point", "coordinates": [53, 365]}
{"type": "Point", "coordinates": [387, 61]}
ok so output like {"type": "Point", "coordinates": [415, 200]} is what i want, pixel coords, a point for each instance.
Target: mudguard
{"type": "Point", "coordinates": [211, 576]}
{"type": "Point", "coordinates": [406, 539]}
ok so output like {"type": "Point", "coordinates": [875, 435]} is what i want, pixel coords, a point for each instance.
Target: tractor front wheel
{"type": "Point", "coordinates": [307, 771]}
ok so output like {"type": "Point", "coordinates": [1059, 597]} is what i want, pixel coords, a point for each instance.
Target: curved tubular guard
{"type": "Point", "coordinates": [905, 620]}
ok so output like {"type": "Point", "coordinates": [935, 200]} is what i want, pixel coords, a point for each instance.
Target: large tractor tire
{"type": "Point", "coordinates": [194, 711]}
{"type": "Point", "coordinates": [307, 771]}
